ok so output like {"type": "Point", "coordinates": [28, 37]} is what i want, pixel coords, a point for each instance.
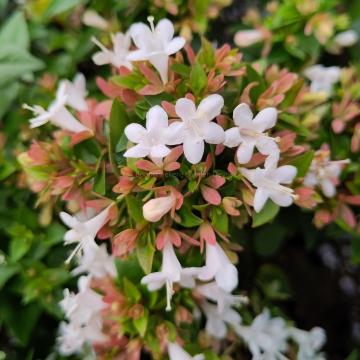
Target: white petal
{"type": "Point", "coordinates": [242, 115]}
{"type": "Point", "coordinates": [137, 55]}
{"type": "Point", "coordinates": [216, 328]}
{"type": "Point", "coordinates": [164, 30]}
{"type": "Point", "coordinates": [136, 133]}
{"type": "Point", "coordinates": [141, 35]}
{"type": "Point", "coordinates": [211, 106]}
{"type": "Point", "coordinates": [156, 118]}
{"type": "Point", "coordinates": [245, 152]}
{"type": "Point", "coordinates": [68, 220]}
{"type": "Point", "coordinates": [137, 151]}
{"type": "Point", "coordinates": [71, 236]}
{"type": "Point", "coordinates": [176, 352]}
{"type": "Point", "coordinates": [175, 45]}
{"type": "Point", "coordinates": [281, 199]}
{"type": "Point", "coordinates": [160, 62]}
{"type": "Point", "coordinates": [159, 151]}
{"type": "Point", "coordinates": [193, 150]}
{"type": "Point", "coordinates": [102, 58]}
{"type": "Point", "coordinates": [185, 108]}
{"type": "Point", "coordinates": [260, 198]}
{"type": "Point", "coordinates": [214, 133]}
{"type": "Point", "coordinates": [174, 134]}
{"type": "Point", "coordinates": [267, 145]}
{"type": "Point", "coordinates": [154, 281]}
{"type": "Point", "coordinates": [232, 137]}
{"type": "Point", "coordinates": [227, 277]}
{"type": "Point", "coordinates": [328, 188]}
{"type": "Point", "coordinates": [285, 174]}
{"type": "Point", "coordinates": [265, 119]}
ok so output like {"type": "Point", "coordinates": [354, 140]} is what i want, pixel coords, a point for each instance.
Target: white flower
{"type": "Point", "coordinates": [266, 337]}
{"type": "Point", "coordinates": [76, 92]}
{"type": "Point", "coordinates": [151, 141]}
{"type": "Point", "coordinates": [176, 352]}
{"type": "Point", "coordinates": [219, 267]}
{"type": "Point", "coordinates": [118, 55]}
{"type": "Point", "coordinates": [214, 292]}
{"type": "Point", "coordinates": [56, 113]}
{"type": "Point", "coordinates": [268, 183]}
{"type": "Point", "coordinates": [245, 38]}
{"type": "Point", "coordinates": [309, 342]}
{"type": "Point", "coordinates": [322, 78]}
{"type": "Point", "coordinates": [97, 262]}
{"type": "Point", "coordinates": [171, 272]}
{"type": "Point", "coordinates": [92, 18]}
{"type": "Point", "coordinates": [249, 133]}
{"type": "Point", "coordinates": [346, 38]}
{"type": "Point", "coordinates": [196, 126]}
{"type": "Point", "coordinates": [155, 44]}
{"type": "Point", "coordinates": [325, 173]}
{"type": "Point", "coordinates": [216, 321]}
{"type": "Point", "coordinates": [83, 232]}
{"type": "Point", "coordinates": [83, 312]}
{"type": "Point", "coordinates": [155, 209]}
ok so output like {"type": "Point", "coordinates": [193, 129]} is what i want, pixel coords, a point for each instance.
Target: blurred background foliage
{"type": "Point", "coordinates": [302, 269]}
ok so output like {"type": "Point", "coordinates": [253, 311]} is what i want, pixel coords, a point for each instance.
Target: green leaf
{"type": "Point", "coordinates": [6, 272]}
{"type": "Point", "coordinates": [268, 239]}
{"type": "Point", "coordinates": [15, 32]}
{"type": "Point", "coordinates": [219, 220]}
{"type": "Point", "coordinates": [145, 251]}
{"type": "Point", "coordinates": [142, 323]}
{"type": "Point", "coordinates": [206, 55]}
{"type": "Point", "coordinates": [188, 219]}
{"type": "Point", "coordinates": [117, 123]}
{"type": "Point", "coordinates": [131, 291]}
{"type": "Point", "coordinates": [57, 7]}
{"type": "Point", "coordinates": [7, 95]}
{"type": "Point", "coordinates": [303, 162]}
{"type": "Point", "coordinates": [100, 182]}
{"type": "Point", "coordinates": [15, 63]}
{"type": "Point", "coordinates": [198, 79]}
{"type": "Point", "coordinates": [269, 211]}
{"type": "Point", "coordinates": [134, 206]}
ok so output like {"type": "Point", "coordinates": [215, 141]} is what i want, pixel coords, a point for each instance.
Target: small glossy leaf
{"type": "Point", "coordinates": [269, 211]}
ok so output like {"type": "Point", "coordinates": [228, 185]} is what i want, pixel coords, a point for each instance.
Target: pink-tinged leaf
{"type": "Point", "coordinates": [103, 109]}
{"type": "Point", "coordinates": [169, 108]}
{"type": "Point", "coordinates": [174, 155]}
{"type": "Point", "coordinates": [190, 54]}
{"type": "Point", "coordinates": [151, 90]}
{"type": "Point", "coordinates": [38, 155]}
{"type": "Point", "coordinates": [146, 165]}
{"type": "Point", "coordinates": [124, 186]}
{"type": "Point", "coordinates": [190, 96]}
{"type": "Point", "coordinates": [215, 181]}
{"type": "Point", "coordinates": [207, 234]}
{"type": "Point", "coordinates": [297, 150]}
{"type": "Point", "coordinates": [351, 199]}
{"type": "Point", "coordinates": [347, 215]}
{"type": "Point", "coordinates": [79, 137]}
{"type": "Point", "coordinates": [305, 197]}
{"type": "Point", "coordinates": [167, 235]}
{"type": "Point", "coordinates": [338, 126]}
{"type": "Point", "coordinates": [230, 205]}
{"type": "Point", "coordinates": [172, 166]}
{"type": "Point", "coordinates": [124, 242]}
{"type": "Point", "coordinates": [256, 160]}
{"type": "Point", "coordinates": [108, 89]}
{"type": "Point", "coordinates": [322, 217]}
{"type": "Point", "coordinates": [150, 75]}
{"type": "Point", "coordinates": [210, 195]}
{"type": "Point", "coordinates": [104, 233]}
{"type": "Point", "coordinates": [286, 83]}
{"type": "Point", "coordinates": [63, 182]}
{"type": "Point", "coordinates": [232, 169]}
{"type": "Point", "coordinates": [124, 71]}
{"type": "Point", "coordinates": [189, 239]}
{"type": "Point", "coordinates": [208, 162]}
{"type": "Point", "coordinates": [219, 149]}
{"type": "Point", "coordinates": [287, 140]}
{"type": "Point", "coordinates": [245, 96]}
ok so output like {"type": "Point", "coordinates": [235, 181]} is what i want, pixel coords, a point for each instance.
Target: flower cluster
{"type": "Point", "coordinates": [164, 175]}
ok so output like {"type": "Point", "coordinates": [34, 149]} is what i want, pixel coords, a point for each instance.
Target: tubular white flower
{"type": "Point", "coordinates": [322, 78]}
{"type": "Point", "coordinates": [197, 126]}
{"type": "Point", "coordinates": [309, 342]}
{"type": "Point", "coordinates": [171, 272]}
{"type": "Point", "coordinates": [76, 92]}
{"type": "Point", "coordinates": [250, 133]}
{"type": "Point", "coordinates": [155, 44]}
{"type": "Point", "coordinates": [155, 209]}
{"type": "Point", "coordinates": [176, 352]}
{"type": "Point", "coordinates": [214, 292]}
{"type": "Point", "coordinates": [97, 262]}
{"type": "Point", "coordinates": [83, 232]}
{"type": "Point", "coordinates": [92, 18]}
{"type": "Point", "coordinates": [268, 183]}
{"type": "Point", "coordinates": [219, 267]}
{"type": "Point", "coordinates": [266, 337]}
{"type": "Point", "coordinates": [245, 38]}
{"type": "Point", "coordinates": [56, 113]}
{"type": "Point", "coordinates": [346, 38]}
{"type": "Point", "coordinates": [151, 141]}
{"type": "Point", "coordinates": [324, 173]}
{"type": "Point", "coordinates": [83, 312]}
{"type": "Point", "coordinates": [118, 55]}
{"type": "Point", "coordinates": [216, 322]}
